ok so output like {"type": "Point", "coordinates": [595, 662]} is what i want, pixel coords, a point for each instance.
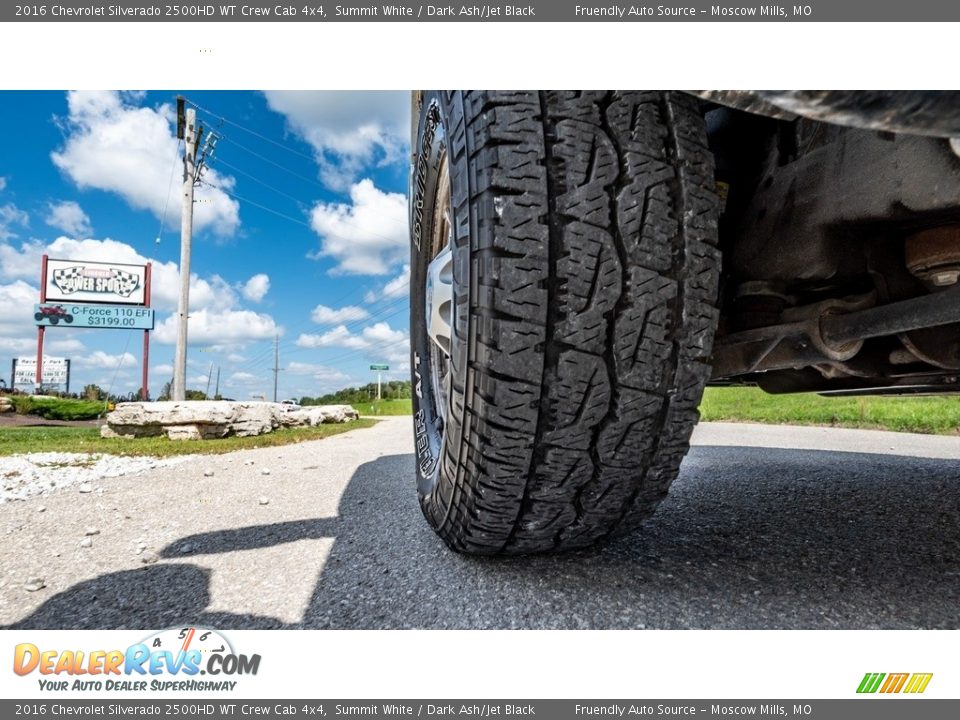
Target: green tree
{"type": "Point", "coordinates": [93, 392]}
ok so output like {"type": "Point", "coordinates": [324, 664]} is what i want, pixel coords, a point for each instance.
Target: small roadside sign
{"type": "Point", "coordinates": [379, 367]}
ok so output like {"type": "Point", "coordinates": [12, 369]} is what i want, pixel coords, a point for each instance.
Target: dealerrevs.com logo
{"type": "Point", "coordinates": [170, 660]}
{"type": "Point", "coordinates": [890, 683]}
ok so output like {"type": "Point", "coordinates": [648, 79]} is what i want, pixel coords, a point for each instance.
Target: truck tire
{"type": "Point", "coordinates": [564, 280]}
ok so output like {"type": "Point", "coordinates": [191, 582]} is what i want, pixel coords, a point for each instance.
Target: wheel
{"type": "Point", "coordinates": [563, 304]}
{"type": "Point", "coordinates": [38, 316]}
{"type": "Point", "coordinates": [68, 319]}
{"type": "Point", "coordinates": [54, 320]}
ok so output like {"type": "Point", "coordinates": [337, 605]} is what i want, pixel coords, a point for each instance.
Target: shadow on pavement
{"type": "Point", "coordinates": [749, 538]}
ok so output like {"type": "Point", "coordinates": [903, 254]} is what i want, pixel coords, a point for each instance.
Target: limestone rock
{"type": "Point", "coordinates": [199, 420]}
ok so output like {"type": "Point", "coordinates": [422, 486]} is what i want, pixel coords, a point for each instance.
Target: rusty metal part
{"type": "Point", "coordinates": [828, 332]}
{"type": "Point", "coordinates": [939, 346]}
{"type": "Point", "coordinates": [926, 311]}
{"type": "Point", "coordinates": [795, 342]}
{"type": "Point", "coordinates": [934, 256]}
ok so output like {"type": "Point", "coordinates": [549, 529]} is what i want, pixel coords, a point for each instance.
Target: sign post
{"type": "Point", "coordinates": [41, 328]}
{"type": "Point", "coordinates": [144, 379]}
{"type": "Point", "coordinates": [379, 368]}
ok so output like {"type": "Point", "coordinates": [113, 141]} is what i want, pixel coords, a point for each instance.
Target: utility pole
{"type": "Point", "coordinates": [276, 364]}
{"type": "Point", "coordinates": [206, 392]}
{"type": "Point", "coordinates": [186, 130]}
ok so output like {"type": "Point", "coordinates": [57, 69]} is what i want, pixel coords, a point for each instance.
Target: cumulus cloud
{"type": "Point", "coordinates": [69, 217]}
{"type": "Point", "coordinates": [219, 326]}
{"type": "Point", "coordinates": [368, 235]}
{"type": "Point", "coordinates": [10, 217]}
{"type": "Point", "coordinates": [323, 315]}
{"type": "Point", "coordinates": [321, 373]}
{"type": "Point", "coordinates": [348, 131]}
{"type": "Point", "coordinates": [378, 340]}
{"type": "Point", "coordinates": [112, 143]}
{"type": "Point", "coordinates": [396, 288]}
{"type": "Point", "coordinates": [17, 326]}
{"type": "Point", "coordinates": [256, 288]}
{"type": "Point", "coordinates": [101, 359]}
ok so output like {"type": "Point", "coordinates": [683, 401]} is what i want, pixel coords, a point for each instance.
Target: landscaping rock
{"type": "Point", "coordinates": [319, 414]}
{"type": "Point", "coordinates": [200, 420]}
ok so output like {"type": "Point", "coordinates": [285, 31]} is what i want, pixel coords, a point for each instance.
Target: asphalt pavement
{"type": "Point", "coordinates": [766, 527]}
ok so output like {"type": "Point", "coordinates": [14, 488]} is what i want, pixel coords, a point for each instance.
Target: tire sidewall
{"type": "Point", "coordinates": [430, 148]}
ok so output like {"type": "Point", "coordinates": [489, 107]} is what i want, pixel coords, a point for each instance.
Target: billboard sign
{"type": "Point", "coordinates": [99, 282]}
{"type": "Point", "coordinates": [121, 317]}
{"type": "Point", "coordinates": [56, 371]}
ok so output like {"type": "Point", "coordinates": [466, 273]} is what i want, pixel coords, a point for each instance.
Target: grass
{"type": "Point", "coordinates": [385, 407]}
{"type": "Point", "coordinates": [937, 415]}
{"type": "Point", "coordinates": [17, 440]}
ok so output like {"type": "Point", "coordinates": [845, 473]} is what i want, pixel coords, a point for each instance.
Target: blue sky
{"type": "Point", "coordinates": [300, 230]}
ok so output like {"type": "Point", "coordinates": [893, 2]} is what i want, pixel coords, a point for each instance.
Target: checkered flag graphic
{"type": "Point", "coordinates": [65, 278]}
{"type": "Point", "coordinates": [126, 282]}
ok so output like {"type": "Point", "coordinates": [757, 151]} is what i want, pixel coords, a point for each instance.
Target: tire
{"type": "Point", "coordinates": [54, 320]}
{"type": "Point", "coordinates": [68, 318]}
{"type": "Point", "coordinates": [582, 229]}
{"type": "Point", "coordinates": [38, 316]}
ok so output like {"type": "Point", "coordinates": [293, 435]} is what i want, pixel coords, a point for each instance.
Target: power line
{"type": "Point", "coordinates": [166, 204]}
{"type": "Point", "coordinates": [252, 132]}
{"type": "Point", "coordinates": [255, 204]}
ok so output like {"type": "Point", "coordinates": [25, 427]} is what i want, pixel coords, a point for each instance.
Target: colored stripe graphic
{"type": "Point", "coordinates": [918, 682]}
{"type": "Point", "coordinates": [894, 683]}
{"type": "Point", "coordinates": [870, 682]}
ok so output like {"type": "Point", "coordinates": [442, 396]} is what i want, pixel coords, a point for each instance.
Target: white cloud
{"type": "Point", "coordinates": [69, 217]}
{"type": "Point", "coordinates": [395, 288]}
{"type": "Point", "coordinates": [256, 287]}
{"type": "Point", "coordinates": [3, 183]}
{"type": "Point", "coordinates": [321, 373]}
{"type": "Point", "coordinates": [368, 236]}
{"type": "Point", "coordinates": [17, 326]}
{"type": "Point", "coordinates": [323, 315]}
{"type": "Point", "coordinates": [348, 131]}
{"type": "Point", "coordinates": [114, 144]}
{"type": "Point", "coordinates": [378, 340]}
{"type": "Point", "coordinates": [236, 358]}
{"type": "Point", "coordinates": [211, 326]}
{"type": "Point", "coordinates": [10, 217]}
{"type": "Point", "coordinates": [100, 359]}
{"type": "Point", "coordinates": [242, 378]}
{"type": "Point", "coordinates": [63, 345]}
{"type": "Point", "coordinates": [164, 369]}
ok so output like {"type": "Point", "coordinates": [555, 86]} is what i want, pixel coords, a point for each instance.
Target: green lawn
{"type": "Point", "coordinates": [87, 439]}
{"type": "Point", "coordinates": [385, 407]}
{"type": "Point", "coordinates": [939, 415]}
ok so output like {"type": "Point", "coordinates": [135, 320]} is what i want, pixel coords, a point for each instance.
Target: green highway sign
{"type": "Point", "coordinates": [379, 367]}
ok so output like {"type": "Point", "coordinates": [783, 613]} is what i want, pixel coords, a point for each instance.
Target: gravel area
{"type": "Point", "coordinates": [39, 474]}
